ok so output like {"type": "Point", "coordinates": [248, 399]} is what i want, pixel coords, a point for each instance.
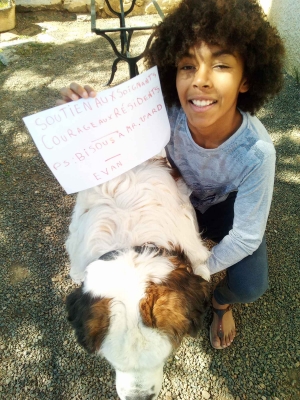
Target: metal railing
{"type": "Point", "coordinates": [125, 36]}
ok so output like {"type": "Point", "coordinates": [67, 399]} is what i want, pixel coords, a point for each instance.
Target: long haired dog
{"type": "Point", "coordinates": [134, 243]}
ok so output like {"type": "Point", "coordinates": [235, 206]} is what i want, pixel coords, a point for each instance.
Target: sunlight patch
{"type": "Point", "coordinates": [20, 138]}
{"type": "Point", "coordinates": [292, 160]}
{"type": "Point", "coordinates": [295, 135]}
{"type": "Point", "coordinates": [289, 177]}
{"type": "Point", "coordinates": [18, 273]}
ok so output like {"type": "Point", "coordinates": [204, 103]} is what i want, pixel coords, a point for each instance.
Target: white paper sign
{"type": "Point", "coordinates": [90, 141]}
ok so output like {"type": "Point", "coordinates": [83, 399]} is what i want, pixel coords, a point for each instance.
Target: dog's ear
{"type": "Point", "coordinates": [177, 306]}
{"type": "Point", "coordinates": [89, 318]}
{"type": "Point", "coordinates": [195, 292]}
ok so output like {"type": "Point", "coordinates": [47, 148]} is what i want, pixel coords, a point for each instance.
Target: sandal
{"type": "Point", "coordinates": [220, 333]}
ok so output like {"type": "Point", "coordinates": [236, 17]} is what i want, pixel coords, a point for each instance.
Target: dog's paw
{"type": "Point", "coordinates": [77, 278]}
{"type": "Point", "coordinates": [202, 270]}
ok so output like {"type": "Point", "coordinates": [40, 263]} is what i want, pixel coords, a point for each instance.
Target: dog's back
{"type": "Point", "coordinates": [142, 205]}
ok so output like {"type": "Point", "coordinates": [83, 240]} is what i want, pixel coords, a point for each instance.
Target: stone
{"type": "Point", "coordinates": [141, 7]}
{"type": "Point", "coordinates": [25, 5]}
{"type": "Point", "coordinates": [99, 5]}
{"type": "Point", "coordinates": [8, 17]}
{"type": "Point", "coordinates": [165, 5]}
{"type": "Point", "coordinates": [7, 56]}
{"type": "Point", "coordinates": [115, 5]}
{"type": "Point", "coordinates": [77, 6]}
{"type": "Point", "coordinates": [205, 395]}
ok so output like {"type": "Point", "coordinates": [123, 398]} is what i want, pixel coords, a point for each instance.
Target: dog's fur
{"type": "Point", "coordinates": [134, 307]}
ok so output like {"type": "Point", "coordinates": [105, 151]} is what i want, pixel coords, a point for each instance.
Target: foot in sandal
{"type": "Point", "coordinates": [222, 329]}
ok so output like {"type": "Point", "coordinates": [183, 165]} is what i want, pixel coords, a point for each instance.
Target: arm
{"type": "Point", "coordinates": [251, 210]}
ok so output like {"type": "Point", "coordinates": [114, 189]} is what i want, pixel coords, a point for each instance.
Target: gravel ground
{"type": "Point", "coordinates": [39, 355]}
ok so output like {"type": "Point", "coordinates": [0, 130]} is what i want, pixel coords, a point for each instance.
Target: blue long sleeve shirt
{"type": "Point", "coordinates": [244, 163]}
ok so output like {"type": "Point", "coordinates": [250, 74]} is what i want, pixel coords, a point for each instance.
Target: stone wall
{"type": "Point", "coordinates": [82, 6]}
{"type": "Point", "coordinates": [285, 15]}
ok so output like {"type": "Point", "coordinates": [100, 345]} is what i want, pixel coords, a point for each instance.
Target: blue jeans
{"type": "Point", "coordinates": [247, 280]}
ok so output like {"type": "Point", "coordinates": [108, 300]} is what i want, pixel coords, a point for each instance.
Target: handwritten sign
{"type": "Point", "coordinates": [90, 141]}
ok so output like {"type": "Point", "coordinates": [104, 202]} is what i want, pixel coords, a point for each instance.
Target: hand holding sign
{"type": "Point", "coordinates": [90, 141]}
{"type": "Point", "coordinates": [75, 92]}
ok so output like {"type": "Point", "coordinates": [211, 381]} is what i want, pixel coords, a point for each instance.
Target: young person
{"type": "Point", "coordinates": [219, 61]}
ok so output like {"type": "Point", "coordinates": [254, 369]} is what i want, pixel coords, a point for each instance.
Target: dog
{"type": "Point", "coordinates": [135, 248]}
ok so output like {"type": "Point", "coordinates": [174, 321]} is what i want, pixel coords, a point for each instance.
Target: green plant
{"type": "Point", "coordinates": [4, 3]}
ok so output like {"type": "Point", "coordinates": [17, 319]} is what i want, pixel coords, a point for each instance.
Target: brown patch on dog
{"type": "Point", "coordinates": [176, 307]}
{"type": "Point", "coordinates": [89, 317]}
{"type": "Point", "coordinates": [165, 310]}
{"type": "Point", "coordinates": [98, 323]}
{"type": "Point", "coordinates": [176, 175]}
{"type": "Point", "coordinates": [164, 162]}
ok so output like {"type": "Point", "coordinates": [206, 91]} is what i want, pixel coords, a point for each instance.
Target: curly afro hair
{"type": "Point", "coordinates": [238, 25]}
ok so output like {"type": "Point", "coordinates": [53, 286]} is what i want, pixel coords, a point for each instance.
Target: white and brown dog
{"type": "Point", "coordinates": [134, 243]}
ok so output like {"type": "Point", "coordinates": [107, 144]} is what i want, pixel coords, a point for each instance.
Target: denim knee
{"type": "Point", "coordinates": [225, 294]}
{"type": "Point", "coordinates": [245, 281]}
{"type": "Point", "coordinates": [251, 292]}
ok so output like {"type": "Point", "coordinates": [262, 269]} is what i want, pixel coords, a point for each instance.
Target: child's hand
{"type": "Point", "coordinates": [75, 92]}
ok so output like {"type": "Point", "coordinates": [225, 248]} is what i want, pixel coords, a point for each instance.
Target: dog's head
{"type": "Point", "coordinates": [134, 310]}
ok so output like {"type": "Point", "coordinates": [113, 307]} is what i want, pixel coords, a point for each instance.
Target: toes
{"type": "Point", "coordinates": [228, 339]}
{"type": "Point", "coordinates": [231, 336]}
{"type": "Point", "coordinates": [233, 333]}
{"type": "Point", "coordinates": [226, 342]}
{"type": "Point", "coordinates": [216, 342]}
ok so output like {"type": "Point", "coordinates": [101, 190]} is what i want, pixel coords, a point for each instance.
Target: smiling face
{"type": "Point", "coordinates": [209, 80]}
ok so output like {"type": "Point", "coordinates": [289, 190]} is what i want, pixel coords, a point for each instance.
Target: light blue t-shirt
{"type": "Point", "coordinates": [244, 163]}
